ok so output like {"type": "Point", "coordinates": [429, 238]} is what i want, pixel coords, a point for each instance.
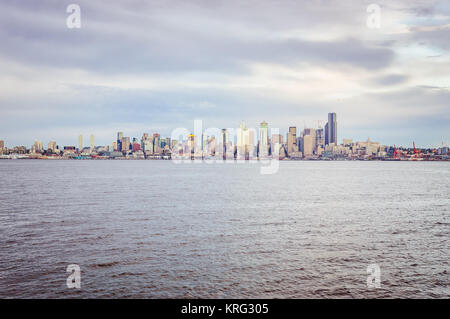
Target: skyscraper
{"type": "Point", "coordinates": [245, 141]}
{"type": "Point", "coordinates": [92, 142]}
{"type": "Point", "coordinates": [224, 141]}
{"type": "Point", "coordinates": [37, 147]}
{"type": "Point", "coordinates": [292, 140]}
{"type": "Point", "coordinates": [156, 143]}
{"type": "Point", "coordinates": [309, 141]}
{"type": "Point", "coordinates": [263, 139]}
{"type": "Point", "coordinates": [80, 143]}
{"type": "Point", "coordinates": [119, 141]}
{"type": "Point", "coordinates": [319, 141]}
{"type": "Point", "coordinates": [51, 146]}
{"type": "Point", "coordinates": [125, 144]}
{"type": "Point", "coordinates": [327, 137]}
{"type": "Point", "coordinates": [2, 144]}
{"type": "Point", "coordinates": [332, 128]}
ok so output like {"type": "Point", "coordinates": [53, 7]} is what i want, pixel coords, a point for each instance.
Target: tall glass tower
{"type": "Point", "coordinates": [331, 129]}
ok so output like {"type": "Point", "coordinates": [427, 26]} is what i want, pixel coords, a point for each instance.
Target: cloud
{"type": "Point", "coordinates": [157, 64]}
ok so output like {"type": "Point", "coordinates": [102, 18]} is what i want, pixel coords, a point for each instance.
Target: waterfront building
{"type": "Point", "coordinates": [80, 142]}
{"type": "Point", "coordinates": [292, 140]}
{"type": "Point", "coordinates": [52, 147]}
{"type": "Point", "coordinates": [245, 141]}
{"type": "Point", "coordinates": [263, 139]}
{"type": "Point", "coordinates": [320, 141]}
{"type": "Point", "coordinates": [37, 147]}
{"type": "Point", "coordinates": [92, 142]}
{"type": "Point", "coordinates": [331, 129]}
{"type": "Point", "coordinates": [119, 141]}
{"type": "Point", "coordinates": [309, 142]}
{"type": "Point", "coordinates": [125, 143]}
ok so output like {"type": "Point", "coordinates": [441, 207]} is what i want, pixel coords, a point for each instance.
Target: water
{"type": "Point", "coordinates": [154, 229]}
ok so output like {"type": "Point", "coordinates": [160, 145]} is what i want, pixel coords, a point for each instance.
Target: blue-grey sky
{"type": "Point", "coordinates": [151, 66]}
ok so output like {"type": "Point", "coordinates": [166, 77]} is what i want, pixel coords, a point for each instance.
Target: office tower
{"type": "Point", "coordinates": [37, 147]}
{"type": "Point", "coordinates": [332, 128]}
{"type": "Point", "coordinates": [245, 141]}
{"type": "Point", "coordinates": [241, 135]}
{"type": "Point", "coordinates": [52, 146]}
{"type": "Point", "coordinates": [251, 143]}
{"type": "Point", "coordinates": [191, 144]}
{"type": "Point", "coordinates": [263, 139]}
{"type": "Point", "coordinates": [92, 142]}
{"type": "Point", "coordinates": [119, 141]}
{"type": "Point", "coordinates": [319, 138]}
{"type": "Point", "coordinates": [292, 140]}
{"type": "Point", "coordinates": [327, 138]}
{"type": "Point", "coordinates": [125, 143]}
{"type": "Point", "coordinates": [300, 143]}
{"type": "Point", "coordinates": [309, 142]}
{"type": "Point", "coordinates": [80, 143]}
{"type": "Point", "coordinates": [143, 139]}
{"type": "Point", "coordinates": [320, 141]}
{"type": "Point", "coordinates": [156, 143]}
{"type": "Point", "coordinates": [157, 139]}
{"type": "Point", "coordinates": [2, 144]}
{"type": "Point", "coordinates": [224, 141]}
{"type": "Point", "coordinates": [147, 143]}
{"type": "Point", "coordinates": [205, 144]}
{"type": "Point", "coordinates": [242, 140]}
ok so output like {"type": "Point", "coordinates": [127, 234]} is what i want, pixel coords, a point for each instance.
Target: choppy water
{"type": "Point", "coordinates": [154, 229]}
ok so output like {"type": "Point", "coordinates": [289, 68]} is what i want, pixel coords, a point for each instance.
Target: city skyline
{"type": "Point", "coordinates": [160, 65]}
{"type": "Point", "coordinates": [228, 143]}
{"type": "Point", "coordinates": [284, 133]}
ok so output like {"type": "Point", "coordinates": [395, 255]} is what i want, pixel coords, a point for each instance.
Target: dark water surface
{"type": "Point", "coordinates": [154, 229]}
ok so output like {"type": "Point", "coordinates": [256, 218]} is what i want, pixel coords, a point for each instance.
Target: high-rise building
{"type": "Point", "coordinates": [263, 139]}
{"type": "Point", "coordinates": [80, 143]}
{"type": "Point", "coordinates": [320, 141]}
{"type": "Point", "coordinates": [309, 142]}
{"type": "Point", "coordinates": [125, 144]}
{"type": "Point", "coordinates": [292, 140]}
{"type": "Point", "coordinates": [2, 144]}
{"type": "Point", "coordinates": [319, 138]}
{"type": "Point", "coordinates": [331, 129]}
{"type": "Point", "coordinates": [191, 144]}
{"type": "Point", "coordinates": [37, 147]}
{"type": "Point", "coordinates": [51, 146]}
{"type": "Point", "coordinates": [245, 141]}
{"type": "Point", "coordinates": [92, 142]}
{"type": "Point", "coordinates": [119, 141]}
{"type": "Point", "coordinates": [156, 143]}
{"type": "Point", "coordinates": [224, 140]}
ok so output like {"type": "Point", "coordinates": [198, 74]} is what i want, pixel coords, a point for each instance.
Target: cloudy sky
{"type": "Point", "coordinates": [152, 66]}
